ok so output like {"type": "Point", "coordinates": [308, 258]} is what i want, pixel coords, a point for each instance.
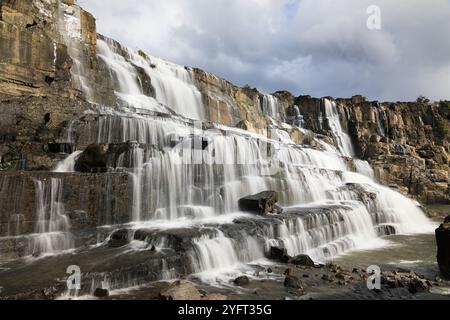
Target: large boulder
{"type": "Point", "coordinates": [443, 246]}
{"type": "Point", "coordinates": [303, 260]}
{"type": "Point", "coordinates": [279, 254]}
{"type": "Point", "coordinates": [292, 282]}
{"type": "Point", "coordinates": [261, 203]}
{"type": "Point", "coordinates": [101, 293]}
{"type": "Point", "coordinates": [242, 281]}
{"type": "Point", "coordinates": [94, 159]}
{"type": "Point", "coordinates": [180, 291]}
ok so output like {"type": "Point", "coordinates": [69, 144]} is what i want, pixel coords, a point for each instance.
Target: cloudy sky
{"type": "Point", "coordinates": [315, 47]}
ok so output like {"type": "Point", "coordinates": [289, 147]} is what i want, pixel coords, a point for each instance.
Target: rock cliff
{"type": "Point", "coordinates": [54, 79]}
{"type": "Point", "coordinates": [45, 71]}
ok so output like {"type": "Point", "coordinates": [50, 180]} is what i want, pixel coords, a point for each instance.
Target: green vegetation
{"type": "Point", "coordinates": [250, 89]}
{"type": "Point", "coordinates": [142, 54]}
{"type": "Point", "coordinates": [423, 100]}
{"type": "Point", "coordinates": [444, 108]}
{"type": "Point", "coordinates": [442, 127]}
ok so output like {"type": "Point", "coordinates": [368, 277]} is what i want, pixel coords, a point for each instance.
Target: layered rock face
{"type": "Point", "coordinates": [44, 73]}
{"type": "Point", "coordinates": [97, 144]}
{"type": "Point", "coordinates": [407, 144]}
{"type": "Point", "coordinates": [85, 200]}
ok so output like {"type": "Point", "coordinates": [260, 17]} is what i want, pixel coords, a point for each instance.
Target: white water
{"type": "Point", "coordinates": [69, 26]}
{"type": "Point", "coordinates": [271, 106]}
{"type": "Point", "coordinates": [52, 228]}
{"type": "Point", "coordinates": [175, 185]}
{"type": "Point", "coordinates": [342, 139]}
{"type": "Point", "coordinates": [68, 164]}
{"type": "Point", "coordinates": [378, 120]}
{"type": "Point", "coordinates": [173, 84]}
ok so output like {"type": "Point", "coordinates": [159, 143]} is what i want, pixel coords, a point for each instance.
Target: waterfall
{"type": "Point", "coordinates": [173, 85]}
{"type": "Point", "coordinates": [270, 106]}
{"type": "Point", "coordinates": [184, 177]}
{"type": "Point", "coordinates": [52, 228]}
{"type": "Point", "coordinates": [342, 139]}
{"type": "Point", "coordinates": [68, 164]}
{"type": "Point", "coordinates": [330, 232]}
{"type": "Point", "coordinates": [380, 128]}
{"type": "Point", "coordinates": [69, 26]}
{"type": "Point", "coordinates": [364, 168]}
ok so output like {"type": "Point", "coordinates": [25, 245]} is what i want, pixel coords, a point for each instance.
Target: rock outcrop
{"type": "Point", "coordinates": [407, 143]}
{"type": "Point", "coordinates": [261, 203]}
{"type": "Point", "coordinates": [443, 247]}
{"type": "Point", "coordinates": [180, 290]}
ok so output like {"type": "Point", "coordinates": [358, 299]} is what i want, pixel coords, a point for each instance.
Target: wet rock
{"type": "Point", "coordinates": [180, 240]}
{"type": "Point", "coordinates": [416, 285]}
{"type": "Point", "coordinates": [94, 159]}
{"type": "Point", "coordinates": [327, 277]}
{"type": "Point", "coordinates": [269, 270]}
{"type": "Point", "coordinates": [242, 281]}
{"type": "Point", "coordinates": [288, 272]}
{"type": "Point", "coordinates": [385, 230]}
{"type": "Point", "coordinates": [261, 203]}
{"type": "Point", "coordinates": [180, 290]}
{"type": "Point", "coordinates": [302, 260]}
{"type": "Point", "coordinates": [279, 254]}
{"type": "Point", "coordinates": [443, 248]}
{"type": "Point", "coordinates": [342, 276]}
{"type": "Point", "coordinates": [292, 282]}
{"type": "Point", "coordinates": [277, 209]}
{"type": "Point", "coordinates": [118, 239]}
{"type": "Point", "coordinates": [101, 293]}
{"type": "Point", "coordinates": [49, 293]}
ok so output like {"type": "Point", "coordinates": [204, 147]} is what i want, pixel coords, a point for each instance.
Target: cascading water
{"type": "Point", "coordinates": [69, 24]}
{"type": "Point", "coordinates": [378, 120]}
{"type": "Point", "coordinates": [271, 106]}
{"type": "Point", "coordinates": [173, 84]}
{"type": "Point", "coordinates": [68, 164]}
{"type": "Point", "coordinates": [183, 177]}
{"type": "Point", "coordinates": [52, 225]}
{"type": "Point", "coordinates": [342, 139]}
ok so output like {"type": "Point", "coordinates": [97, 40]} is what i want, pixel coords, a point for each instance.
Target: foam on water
{"type": "Point", "coordinates": [184, 177]}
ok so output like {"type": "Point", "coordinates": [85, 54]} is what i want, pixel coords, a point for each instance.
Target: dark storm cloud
{"type": "Point", "coordinates": [317, 47]}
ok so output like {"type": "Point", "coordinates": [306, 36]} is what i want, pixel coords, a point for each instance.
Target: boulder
{"type": "Point", "coordinates": [242, 281]}
{"type": "Point", "coordinates": [93, 160]}
{"type": "Point", "coordinates": [292, 282]}
{"type": "Point", "coordinates": [119, 238]}
{"type": "Point", "coordinates": [443, 248]}
{"type": "Point", "coordinates": [302, 260]}
{"type": "Point", "coordinates": [261, 203]}
{"type": "Point", "coordinates": [180, 291]}
{"type": "Point", "coordinates": [279, 254]}
{"type": "Point", "coordinates": [101, 293]}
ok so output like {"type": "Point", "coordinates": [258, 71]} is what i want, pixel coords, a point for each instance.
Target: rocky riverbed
{"type": "Point", "coordinates": [408, 271]}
